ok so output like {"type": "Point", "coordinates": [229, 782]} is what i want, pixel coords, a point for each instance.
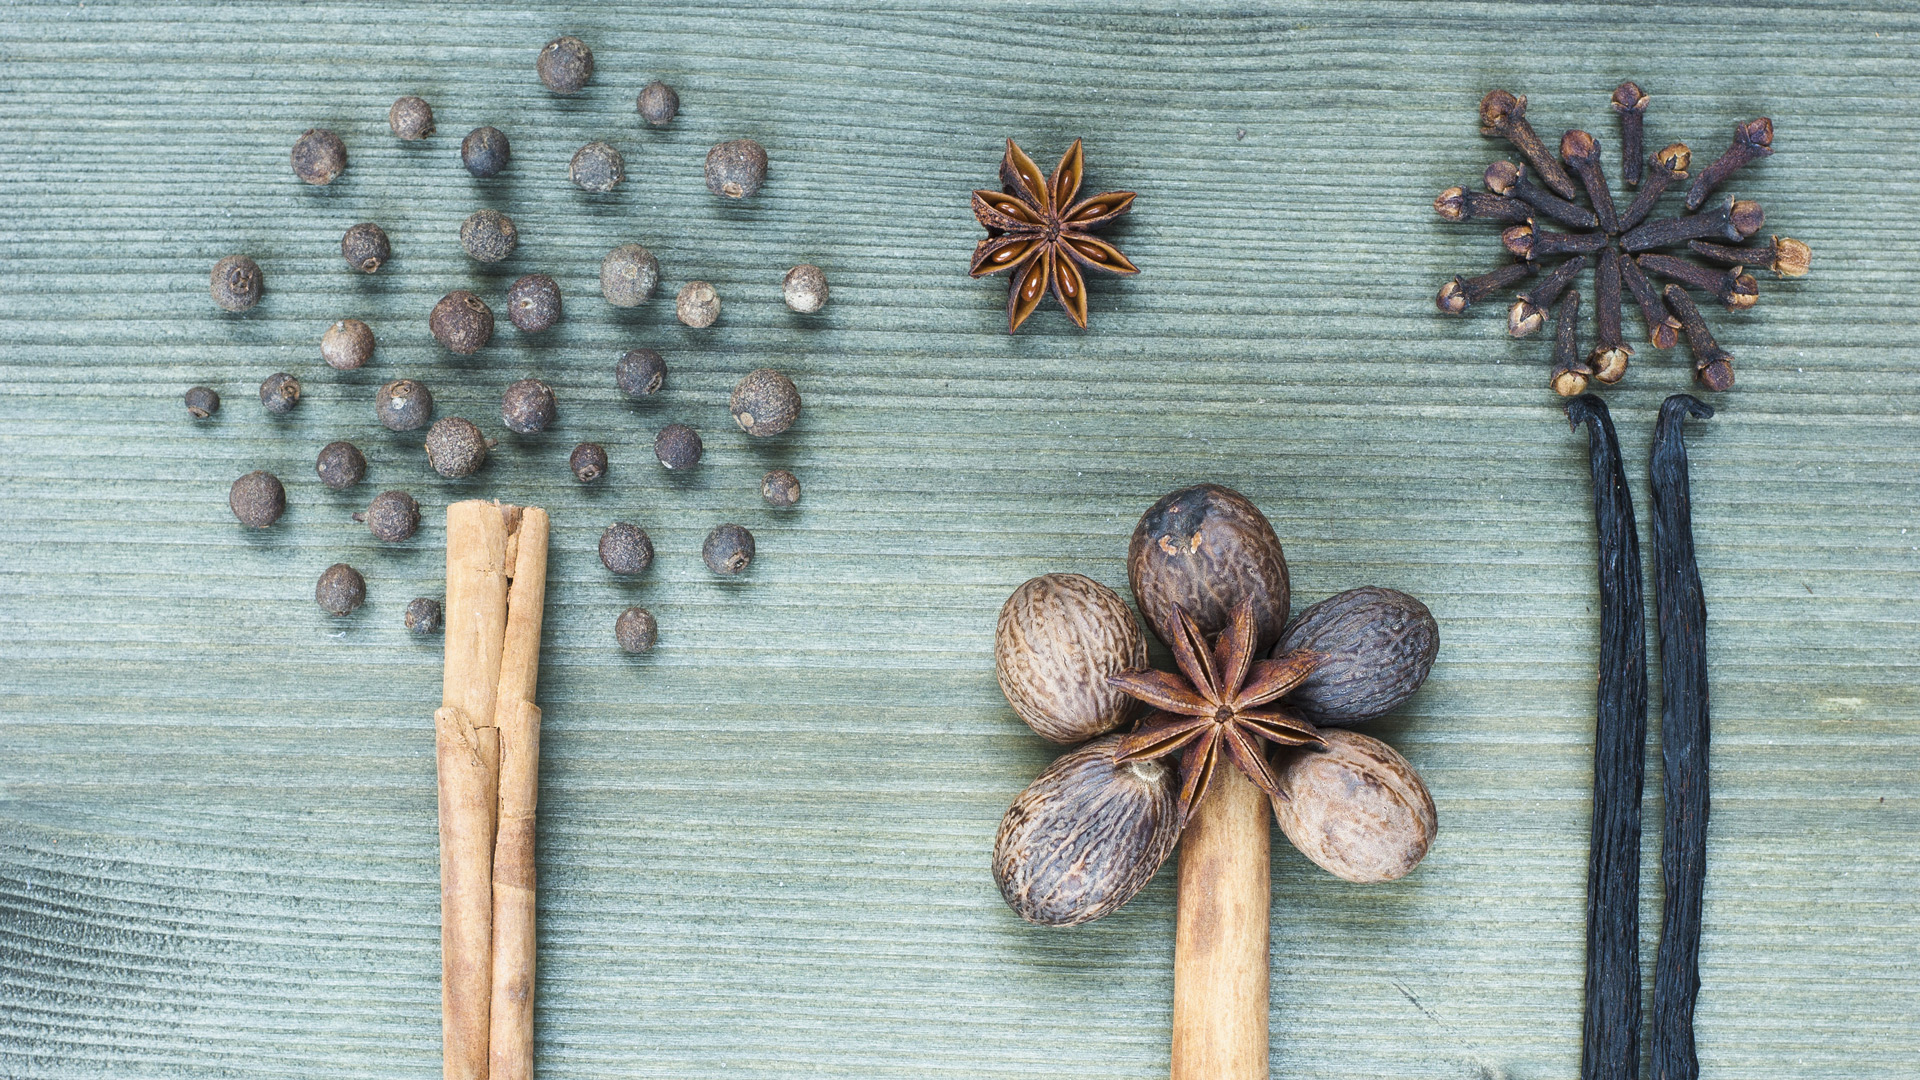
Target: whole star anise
{"type": "Point", "coordinates": [1035, 228]}
{"type": "Point", "coordinates": [1217, 704]}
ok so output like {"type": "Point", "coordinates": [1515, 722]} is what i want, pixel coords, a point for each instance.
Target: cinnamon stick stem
{"type": "Point", "coordinates": [1220, 937]}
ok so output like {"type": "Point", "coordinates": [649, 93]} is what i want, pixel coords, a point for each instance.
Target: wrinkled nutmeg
{"type": "Point", "coordinates": [1379, 646]}
{"type": "Point", "coordinates": [1357, 809]}
{"type": "Point", "coordinates": [1086, 836]}
{"type": "Point", "coordinates": [1060, 636]}
{"type": "Point", "coordinates": [1206, 548]}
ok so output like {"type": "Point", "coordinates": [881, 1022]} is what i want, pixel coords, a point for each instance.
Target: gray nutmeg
{"type": "Point", "coordinates": [1379, 645]}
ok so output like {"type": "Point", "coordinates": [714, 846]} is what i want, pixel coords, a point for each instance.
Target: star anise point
{"type": "Point", "coordinates": [1037, 230]}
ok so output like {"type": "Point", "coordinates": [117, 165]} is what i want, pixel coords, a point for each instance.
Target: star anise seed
{"type": "Point", "coordinates": [1036, 229]}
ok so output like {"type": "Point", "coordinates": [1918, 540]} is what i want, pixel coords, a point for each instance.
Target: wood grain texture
{"type": "Point", "coordinates": [764, 846]}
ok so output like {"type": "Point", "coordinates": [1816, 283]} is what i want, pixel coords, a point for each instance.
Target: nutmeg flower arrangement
{"type": "Point", "coordinates": [1255, 719]}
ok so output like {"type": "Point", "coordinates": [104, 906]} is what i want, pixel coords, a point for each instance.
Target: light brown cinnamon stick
{"type": "Point", "coordinates": [1220, 936]}
{"type": "Point", "coordinates": [513, 855]}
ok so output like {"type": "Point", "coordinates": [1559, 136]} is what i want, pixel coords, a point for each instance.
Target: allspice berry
{"type": "Point", "coordinates": [697, 305]}
{"type": "Point", "coordinates": [635, 630]}
{"type": "Point", "coordinates": [1059, 637]}
{"type": "Point", "coordinates": [422, 616]}
{"type": "Point", "coordinates": [1356, 808]}
{"type": "Point", "coordinates": [780, 488]}
{"type": "Point", "coordinates": [677, 446]}
{"type": "Point", "coordinates": [456, 448]}
{"type": "Point", "coordinates": [1206, 548]}
{"type": "Point", "coordinates": [588, 462]}
{"type": "Point", "coordinates": [533, 303]}
{"type": "Point", "coordinates": [736, 169]}
{"type": "Point", "coordinates": [341, 465]}
{"type": "Point", "coordinates": [404, 405]}
{"type": "Point", "coordinates": [202, 402]}
{"type": "Point", "coordinates": [462, 322]}
{"type": "Point", "coordinates": [340, 589]}
{"type": "Point", "coordinates": [528, 407]}
{"type": "Point", "coordinates": [488, 236]}
{"type": "Point", "coordinates": [257, 499]}
{"type": "Point", "coordinates": [411, 118]}
{"type": "Point", "coordinates": [319, 156]}
{"type": "Point", "coordinates": [365, 247]}
{"type": "Point", "coordinates": [393, 516]}
{"type": "Point", "coordinates": [565, 65]}
{"type": "Point", "coordinates": [235, 283]}
{"type": "Point", "coordinates": [765, 403]}
{"type": "Point", "coordinates": [728, 549]}
{"type": "Point", "coordinates": [347, 344]}
{"type": "Point", "coordinates": [279, 393]}
{"type": "Point", "coordinates": [805, 288]}
{"type": "Point", "coordinates": [640, 373]}
{"type": "Point", "coordinates": [626, 548]}
{"type": "Point", "coordinates": [485, 152]}
{"type": "Point", "coordinates": [628, 275]}
{"type": "Point", "coordinates": [597, 167]}
{"type": "Point", "coordinates": [657, 104]}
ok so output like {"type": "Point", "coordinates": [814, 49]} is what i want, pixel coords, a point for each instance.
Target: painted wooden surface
{"type": "Point", "coordinates": [765, 845]}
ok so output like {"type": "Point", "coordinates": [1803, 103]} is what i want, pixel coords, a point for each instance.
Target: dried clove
{"type": "Point", "coordinates": [1733, 289]}
{"type": "Point", "coordinates": [1783, 255]}
{"type": "Point", "coordinates": [1736, 221]}
{"type": "Point", "coordinates": [1459, 204]}
{"type": "Point", "coordinates": [1663, 330]}
{"type": "Point", "coordinates": [1527, 242]}
{"type": "Point", "coordinates": [1530, 311]}
{"type": "Point", "coordinates": [1506, 178]}
{"type": "Point", "coordinates": [1570, 373]}
{"type": "Point", "coordinates": [1610, 350]}
{"type": "Point", "coordinates": [1668, 165]}
{"type": "Point", "coordinates": [1463, 292]}
{"type": "Point", "coordinates": [1631, 103]}
{"type": "Point", "coordinates": [1712, 365]}
{"type": "Point", "coordinates": [1505, 115]}
{"type": "Point", "coordinates": [1582, 154]}
{"type": "Point", "coordinates": [1752, 141]}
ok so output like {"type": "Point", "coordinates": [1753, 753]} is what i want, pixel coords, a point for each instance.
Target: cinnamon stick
{"type": "Point", "coordinates": [513, 854]}
{"type": "Point", "coordinates": [1220, 936]}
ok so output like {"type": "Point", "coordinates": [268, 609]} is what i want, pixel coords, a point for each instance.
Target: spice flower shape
{"type": "Point", "coordinates": [1036, 229]}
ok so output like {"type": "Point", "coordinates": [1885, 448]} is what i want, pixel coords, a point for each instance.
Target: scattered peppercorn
{"type": "Point", "coordinates": [805, 288]}
{"type": "Point", "coordinates": [736, 169]}
{"type": "Point", "coordinates": [640, 373]}
{"type": "Point", "coordinates": [422, 615]}
{"type": "Point", "coordinates": [588, 462]}
{"type": "Point", "coordinates": [485, 152]}
{"type": "Point", "coordinates": [765, 403]}
{"type": "Point", "coordinates": [392, 516]}
{"type": "Point", "coordinates": [657, 103]}
{"type": "Point", "coordinates": [341, 465]}
{"type": "Point", "coordinates": [780, 488]}
{"type": "Point", "coordinates": [202, 402]}
{"type": "Point", "coordinates": [236, 283]}
{"type": "Point", "coordinates": [257, 499]}
{"type": "Point", "coordinates": [728, 550]}
{"type": "Point", "coordinates": [279, 393]}
{"type": "Point", "coordinates": [404, 405]}
{"type": "Point", "coordinates": [411, 118]}
{"type": "Point", "coordinates": [628, 275]}
{"type": "Point", "coordinates": [697, 305]}
{"type": "Point", "coordinates": [462, 322]}
{"type": "Point", "coordinates": [319, 156]}
{"type": "Point", "coordinates": [527, 407]}
{"type": "Point", "coordinates": [456, 448]}
{"type": "Point", "coordinates": [677, 446]}
{"type": "Point", "coordinates": [365, 247]}
{"type": "Point", "coordinates": [347, 344]}
{"type": "Point", "coordinates": [565, 65]}
{"type": "Point", "coordinates": [488, 236]}
{"type": "Point", "coordinates": [340, 590]}
{"type": "Point", "coordinates": [597, 167]}
{"type": "Point", "coordinates": [625, 548]}
{"type": "Point", "coordinates": [635, 630]}
{"type": "Point", "coordinates": [533, 303]}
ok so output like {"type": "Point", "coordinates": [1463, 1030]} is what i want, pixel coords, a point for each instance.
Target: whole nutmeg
{"type": "Point", "coordinates": [1357, 809]}
{"type": "Point", "coordinates": [393, 516]}
{"type": "Point", "coordinates": [404, 405]}
{"type": "Point", "coordinates": [533, 303]}
{"type": "Point", "coordinates": [411, 118]}
{"type": "Point", "coordinates": [1206, 548]}
{"type": "Point", "coordinates": [365, 247]}
{"type": "Point", "coordinates": [698, 305]}
{"type": "Point", "coordinates": [657, 104]}
{"type": "Point", "coordinates": [628, 275]}
{"type": "Point", "coordinates": [1086, 835]}
{"type": "Point", "coordinates": [489, 236]}
{"type": "Point", "coordinates": [640, 373]}
{"type": "Point", "coordinates": [527, 407]}
{"type": "Point", "coordinates": [765, 403]}
{"type": "Point", "coordinates": [597, 167]}
{"type": "Point", "coordinates": [462, 322]}
{"type": "Point", "coordinates": [319, 156]}
{"type": "Point", "coordinates": [1060, 636]}
{"type": "Point", "coordinates": [736, 169]}
{"type": "Point", "coordinates": [340, 589]}
{"type": "Point", "coordinates": [565, 65]}
{"type": "Point", "coordinates": [235, 283]}
{"type": "Point", "coordinates": [347, 344]}
{"type": "Point", "coordinates": [805, 288]}
{"type": "Point", "coordinates": [456, 448]}
{"type": "Point", "coordinates": [1378, 646]}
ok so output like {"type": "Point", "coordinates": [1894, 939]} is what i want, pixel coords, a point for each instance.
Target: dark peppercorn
{"type": "Point", "coordinates": [340, 590]}
{"type": "Point", "coordinates": [411, 118]}
{"type": "Point", "coordinates": [462, 322]}
{"type": "Point", "coordinates": [588, 462]}
{"type": "Point", "coordinates": [341, 465]}
{"type": "Point", "coordinates": [404, 405]}
{"type": "Point", "coordinates": [533, 303]}
{"type": "Point", "coordinates": [728, 550]}
{"type": "Point", "coordinates": [765, 403]}
{"type": "Point", "coordinates": [635, 630]}
{"type": "Point", "coordinates": [677, 446]}
{"type": "Point", "coordinates": [780, 488]}
{"type": "Point", "coordinates": [597, 167]}
{"type": "Point", "coordinates": [698, 305]}
{"type": "Point", "coordinates": [626, 549]}
{"type": "Point", "coordinates": [805, 288]}
{"type": "Point", "coordinates": [640, 373]}
{"type": "Point", "coordinates": [235, 283]}
{"type": "Point", "coordinates": [392, 516]}
{"type": "Point", "coordinates": [365, 247]}
{"type": "Point", "coordinates": [628, 275]}
{"type": "Point", "coordinates": [347, 344]}
{"type": "Point", "coordinates": [488, 236]}
{"type": "Point", "coordinates": [736, 169]}
{"type": "Point", "coordinates": [202, 402]}
{"type": "Point", "coordinates": [657, 103]}
{"type": "Point", "coordinates": [527, 407]}
{"type": "Point", "coordinates": [456, 448]}
{"type": "Point", "coordinates": [279, 393]}
{"type": "Point", "coordinates": [422, 615]}
{"type": "Point", "coordinates": [319, 156]}
{"type": "Point", "coordinates": [257, 499]}
{"type": "Point", "coordinates": [485, 152]}
{"type": "Point", "coordinates": [565, 65]}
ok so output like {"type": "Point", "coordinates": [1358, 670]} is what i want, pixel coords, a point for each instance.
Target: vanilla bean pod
{"type": "Point", "coordinates": [1683, 742]}
{"type": "Point", "coordinates": [1610, 1043]}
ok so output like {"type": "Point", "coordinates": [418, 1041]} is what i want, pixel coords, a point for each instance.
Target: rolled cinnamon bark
{"type": "Point", "coordinates": [1220, 937]}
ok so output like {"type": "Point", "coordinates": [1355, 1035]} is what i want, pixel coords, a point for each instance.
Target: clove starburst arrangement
{"type": "Point", "coordinates": [1625, 247]}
